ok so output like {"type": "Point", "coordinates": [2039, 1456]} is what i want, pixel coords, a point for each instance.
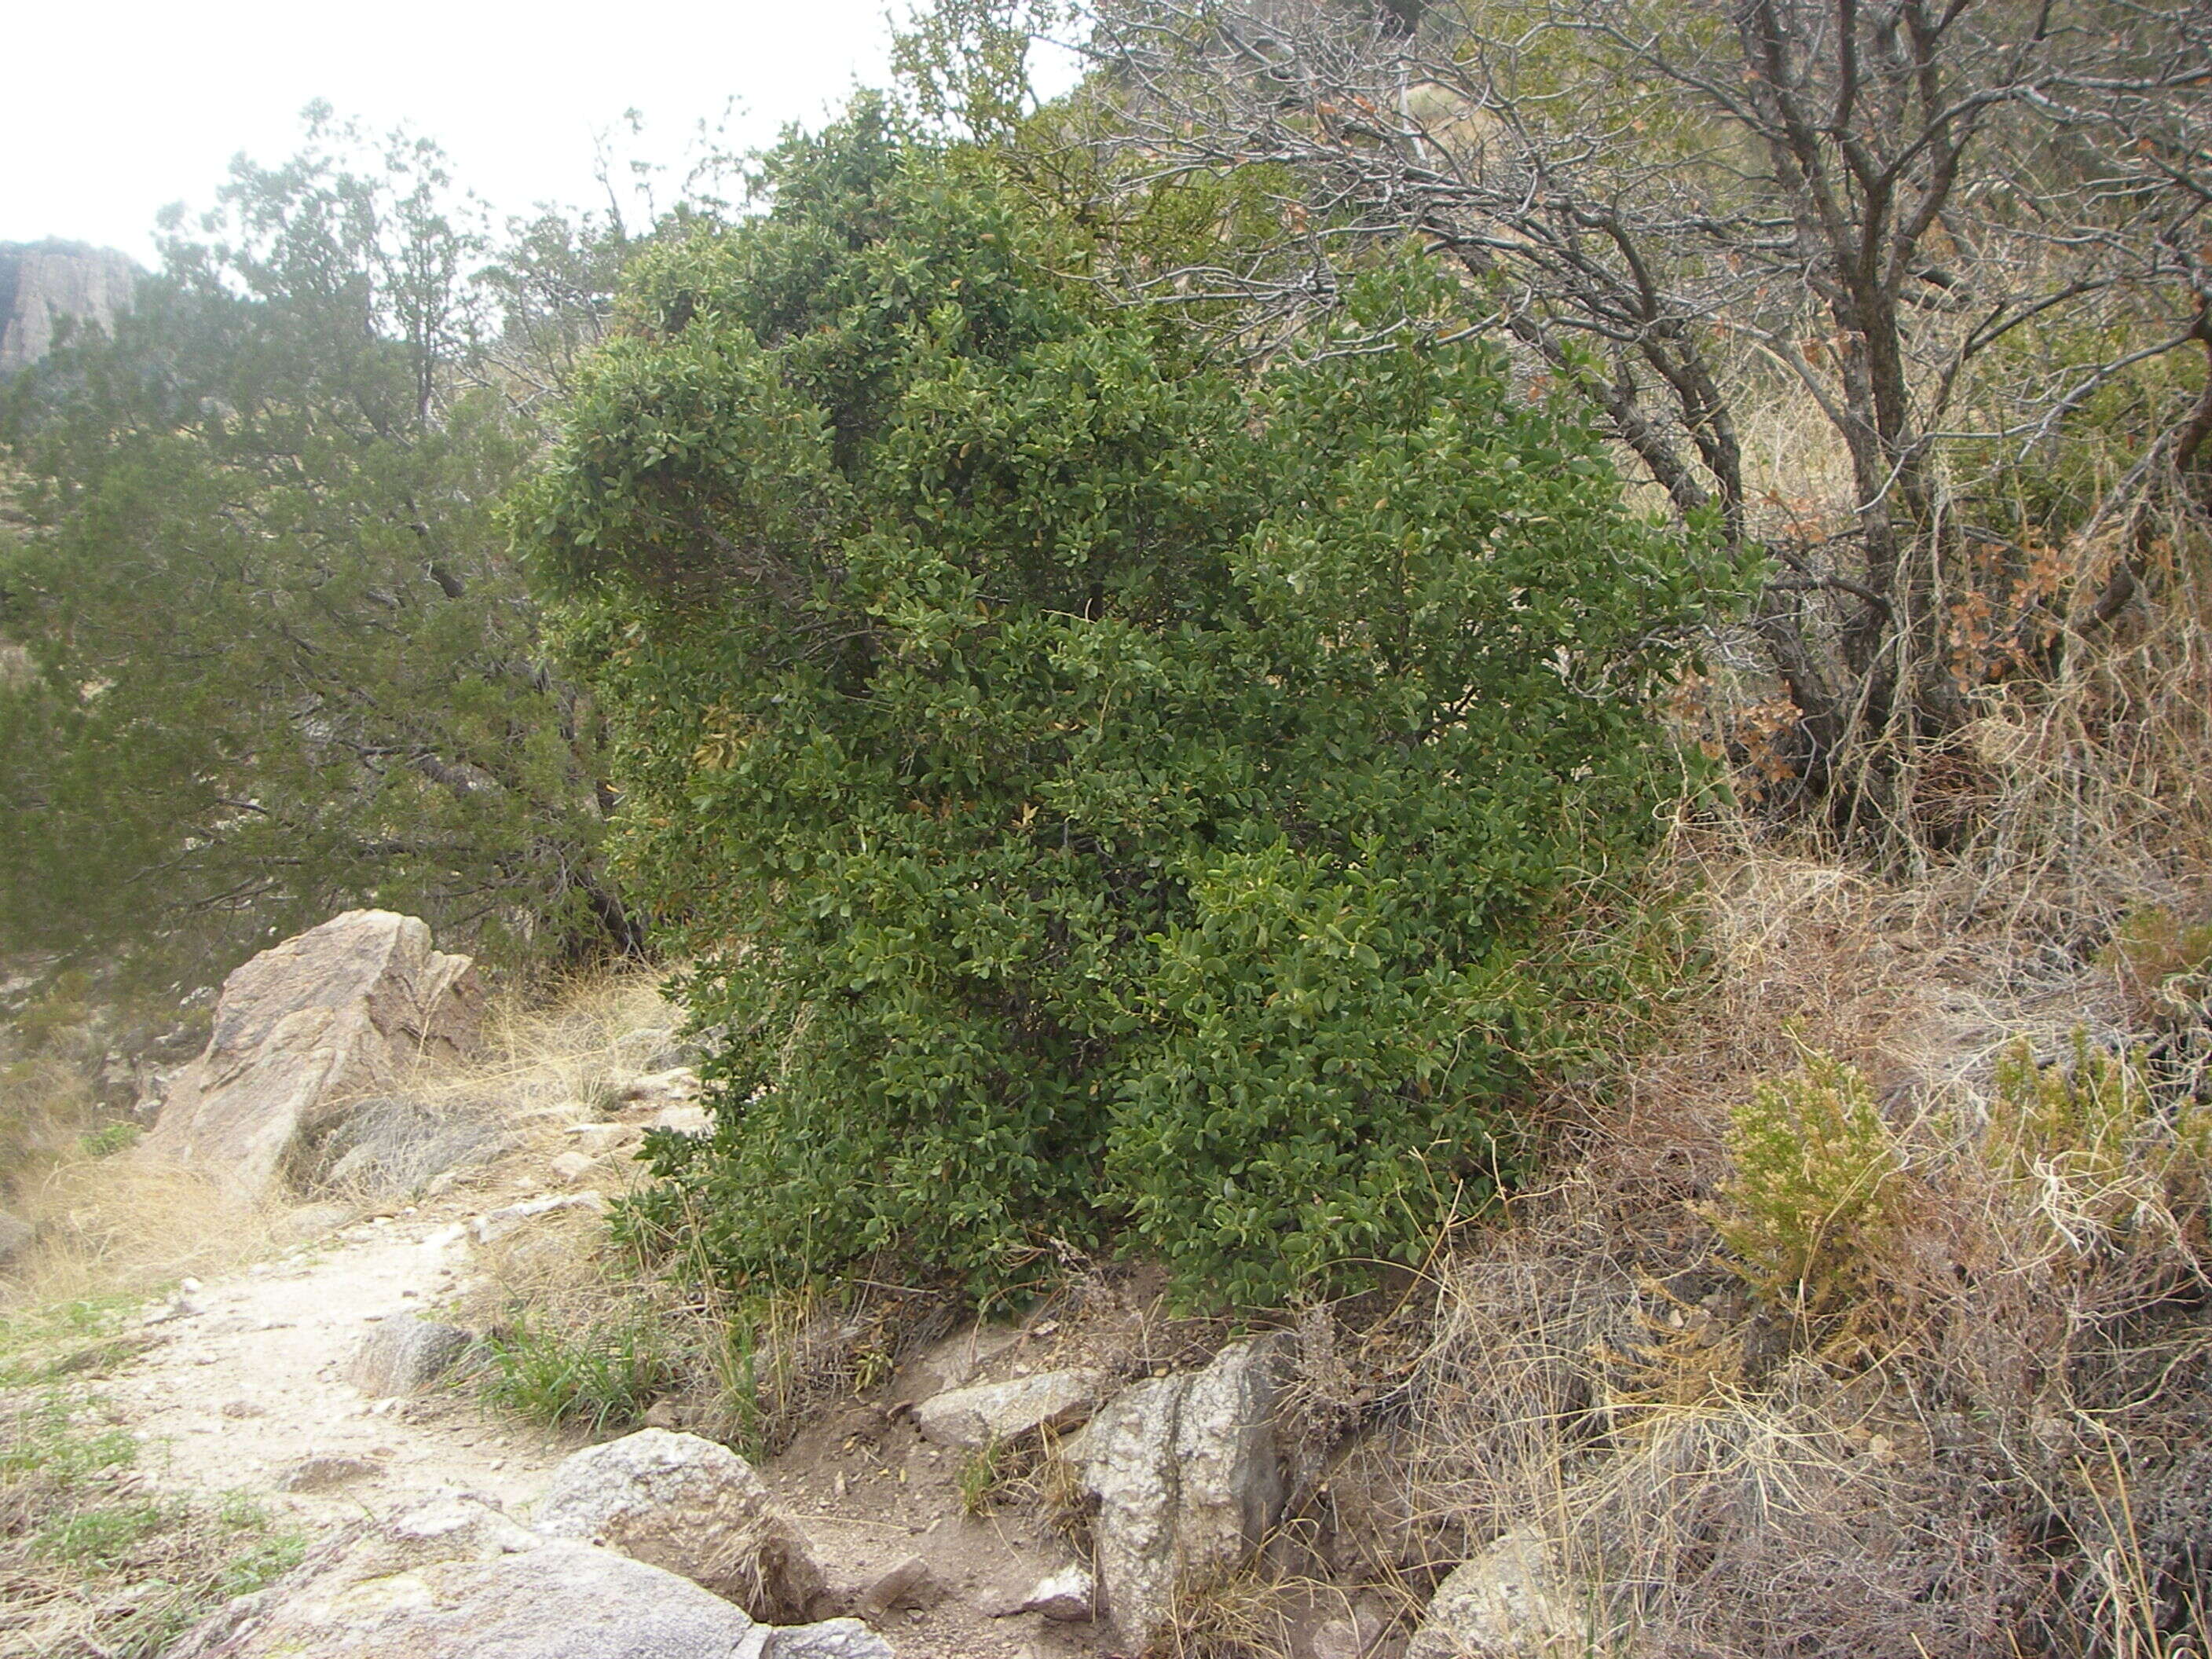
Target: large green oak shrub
{"type": "Point", "coordinates": [1113, 796]}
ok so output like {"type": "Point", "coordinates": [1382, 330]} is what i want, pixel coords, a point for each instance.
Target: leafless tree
{"type": "Point", "coordinates": [1938, 228]}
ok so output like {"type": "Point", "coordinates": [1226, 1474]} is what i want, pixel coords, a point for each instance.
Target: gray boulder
{"type": "Point", "coordinates": [833, 1638]}
{"type": "Point", "coordinates": [303, 1033]}
{"type": "Point", "coordinates": [692, 1507]}
{"type": "Point", "coordinates": [1006, 1411]}
{"type": "Point", "coordinates": [454, 1577]}
{"type": "Point", "coordinates": [1189, 1479]}
{"type": "Point", "coordinates": [1505, 1603]}
{"type": "Point", "coordinates": [406, 1354]}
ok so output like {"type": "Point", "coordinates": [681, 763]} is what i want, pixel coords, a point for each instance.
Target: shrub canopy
{"type": "Point", "coordinates": [1113, 796]}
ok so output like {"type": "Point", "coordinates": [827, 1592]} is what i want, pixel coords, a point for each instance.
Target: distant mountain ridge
{"type": "Point", "coordinates": [44, 284]}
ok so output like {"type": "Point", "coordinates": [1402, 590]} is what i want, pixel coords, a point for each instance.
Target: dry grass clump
{"type": "Point", "coordinates": [1871, 1318]}
{"type": "Point", "coordinates": [114, 1225]}
{"type": "Point", "coordinates": [2082, 796]}
{"type": "Point", "coordinates": [45, 1104]}
{"type": "Point", "coordinates": [553, 1053]}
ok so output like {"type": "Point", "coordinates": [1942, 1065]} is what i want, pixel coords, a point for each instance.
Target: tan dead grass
{"type": "Point", "coordinates": [547, 1047]}
{"type": "Point", "coordinates": [118, 1226]}
{"type": "Point", "coordinates": [1959, 1464]}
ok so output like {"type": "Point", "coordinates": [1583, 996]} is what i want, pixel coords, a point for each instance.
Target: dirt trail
{"type": "Point", "coordinates": [246, 1381]}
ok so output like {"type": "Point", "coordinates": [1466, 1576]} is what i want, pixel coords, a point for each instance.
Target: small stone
{"type": "Point", "coordinates": [499, 1223]}
{"type": "Point", "coordinates": [1068, 1596]}
{"type": "Point", "coordinates": [677, 1083]}
{"type": "Point", "coordinates": [1355, 1638]}
{"type": "Point", "coordinates": [1505, 1602]}
{"type": "Point", "coordinates": [324, 1474]}
{"type": "Point", "coordinates": [908, 1584]}
{"type": "Point", "coordinates": [600, 1138]}
{"type": "Point", "coordinates": [569, 1168]}
{"type": "Point", "coordinates": [406, 1354]}
{"type": "Point", "coordinates": [685, 1120]}
{"type": "Point", "coordinates": [1008, 1411]}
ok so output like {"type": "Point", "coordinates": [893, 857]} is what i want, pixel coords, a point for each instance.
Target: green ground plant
{"type": "Point", "coordinates": [2165, 966]}
{"type": "Point", "coordinates": [1141, 781]}
{"type": "Point", "coordinates": [982, 1472]}
{"type": "Point", "coordinates": [2093, 1145]}
{"type": "Point", "coordinates": [110, 1138]}
{"type": "Point", "coordinates": [1813, 1194]}
{"type": "Point", "coordinates": [95, 1563]}
{"type": "Point", "coordinates": [603, 1376]}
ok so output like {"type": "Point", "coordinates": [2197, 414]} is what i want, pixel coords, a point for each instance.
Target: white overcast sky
{"type": "Point", "coordinates": [111, 111]}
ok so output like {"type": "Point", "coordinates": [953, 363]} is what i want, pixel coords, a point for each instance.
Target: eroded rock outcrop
{"type": "Point", "coordinates": [47, 285]}
{"type": "Point", "coordinates": [1189, 1479]}
{"type": "Point", "coordinates": [302, 1033]}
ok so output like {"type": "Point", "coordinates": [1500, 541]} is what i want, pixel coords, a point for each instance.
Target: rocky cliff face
{"type": "Point", "coordinates": [43, 283]}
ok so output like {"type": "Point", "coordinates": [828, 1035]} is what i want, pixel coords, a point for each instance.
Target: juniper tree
{"type": "Point", "coordinates": [283, 662]}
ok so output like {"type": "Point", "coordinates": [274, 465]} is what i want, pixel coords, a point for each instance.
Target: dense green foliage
{"type": "Point", "coordinates": [283, 663]}
{"type": "Point", "coordinates": [1114, 797]}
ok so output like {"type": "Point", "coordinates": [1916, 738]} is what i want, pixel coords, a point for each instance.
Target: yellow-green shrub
{"type": "Point", "coordinates": [1815, 1186]}
{"type": "Point", "coordinates": [2092, 1138]}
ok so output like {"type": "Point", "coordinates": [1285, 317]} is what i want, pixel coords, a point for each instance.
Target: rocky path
{"type": "Point", "coordinates": [243, 1386]}
{"type": "Point", "coordinates": [933, 1515]}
